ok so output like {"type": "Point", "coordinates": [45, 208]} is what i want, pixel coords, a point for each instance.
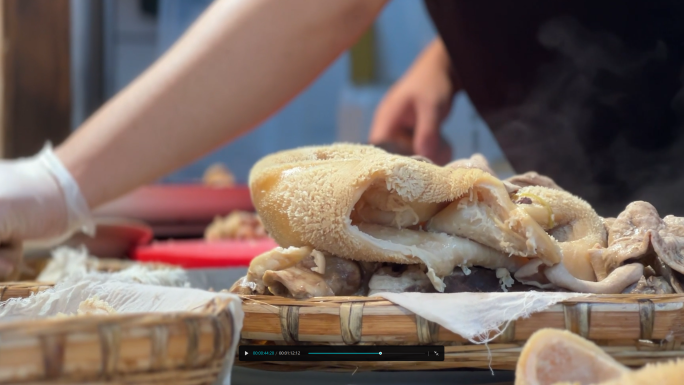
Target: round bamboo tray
{"type": "Point", "coordinates": [154, 348]}
{"type": "Point", "coordinates": [634, 329]}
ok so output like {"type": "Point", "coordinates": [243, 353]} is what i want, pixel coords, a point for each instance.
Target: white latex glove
{"type": "Point", "coordinates": [39, 200]}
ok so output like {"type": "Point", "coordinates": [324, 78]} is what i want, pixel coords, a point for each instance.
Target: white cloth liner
{"type": "Point", "coordinates": [67, 261]}
{"type": "Point", "coordinates": [474, 316]}
{"type": "Point", "coordinates": [126, 295]}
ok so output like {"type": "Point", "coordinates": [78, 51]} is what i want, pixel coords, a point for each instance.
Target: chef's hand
{"type": "Point", "coordinates": [410, 115]}
{"type": "Point", "coordinates": [38, 200]}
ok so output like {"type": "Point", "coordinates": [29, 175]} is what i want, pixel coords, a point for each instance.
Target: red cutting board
{"type": "Point", "coordinates": [200, 254]}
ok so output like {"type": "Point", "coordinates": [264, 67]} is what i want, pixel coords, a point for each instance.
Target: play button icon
{"type": "Point", "coordinates": [246, 353]}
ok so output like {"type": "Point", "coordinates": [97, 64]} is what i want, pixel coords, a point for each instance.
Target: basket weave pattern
{"type": "Point", "coordinates": [164, 348]}
{"type": "Point", "coordinates": [635, 329]}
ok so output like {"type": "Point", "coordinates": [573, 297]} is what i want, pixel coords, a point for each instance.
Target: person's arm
{"type": "Point", "coordinates": [410, 115]}
{"type": "Point", "coordinates": [240, 62]}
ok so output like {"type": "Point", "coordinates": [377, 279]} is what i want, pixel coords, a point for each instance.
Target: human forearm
{"type": "Point", "coordinates": [238, 64]}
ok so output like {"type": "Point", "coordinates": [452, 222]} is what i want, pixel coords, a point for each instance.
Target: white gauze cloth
{"type": "Point", "coordinates": [474, 316]}
{"type": "Point", "coordinates": [68, 261]}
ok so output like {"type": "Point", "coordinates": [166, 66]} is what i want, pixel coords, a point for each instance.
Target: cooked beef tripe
{"type": "Point", "coordinates": [300, 272]}
{"type": "Point", "coordinates": [650, 285]}
{"type": "Point", "coordinates": [488, 216]}
{"type": "Point", "coordinates": [441, 251]}
{"type": "Point", "coordinates": [570, 220]}
{"type": "Point", "coordinates": [274, 260]}
{"type": "Point", "coordinates": [533, 179]}
{"type": "Point", "coordinates": [477, 161]}
{"type": "Point", "coordinates": [381, 207]}
{"type": "Point", "coordinates": [608, 223]}
{"type": "Point", "coordinates": [297, 282]}
{"type": "Point", "coordinates": [639, 234]}
{"type": "Point", "coordinates": [357, 202]}
{"type": "Point", "coordinates": [395, 279]}
{"type": "Point", "coordinates": [629, 238]}
{"type": "Point", "coordinates": [672, 277]}
{"type": "Point", "coordinates": [670, 241]}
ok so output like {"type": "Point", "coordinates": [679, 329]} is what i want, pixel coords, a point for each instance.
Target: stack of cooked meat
{"type": "Point", "coordinates": [239, 225]}
{"type": "Point", "coordinates": [355, 220]}
{"type": "Point", "coordinates": [218, 175]}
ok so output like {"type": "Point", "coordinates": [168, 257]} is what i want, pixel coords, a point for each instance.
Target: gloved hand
{"type": "Point", "coordinates": [39, 200]}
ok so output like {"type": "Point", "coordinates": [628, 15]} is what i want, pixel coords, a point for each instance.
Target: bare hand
{"type": "Point", "coordinates": [410, 115]}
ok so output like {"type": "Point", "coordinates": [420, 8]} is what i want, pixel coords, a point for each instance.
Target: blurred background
{"type": "Point", "coordinates": [113, 41]}
{"type": "Point", "coordinates": [65, 58]}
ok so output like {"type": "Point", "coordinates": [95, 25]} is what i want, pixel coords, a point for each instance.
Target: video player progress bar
{"type": "Point", "coordinates": [340, 353]}
{"type": "Point", "coordinates": [380, 353]}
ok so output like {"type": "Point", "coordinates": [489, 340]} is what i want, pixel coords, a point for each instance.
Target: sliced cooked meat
{"type": "Point", "coordinates": [297, 282]}
{"type": "Point", "coordinates": [243, 287]}
{"type": "Point", "coordinates": [274, 260]}
{"type": "Point", "coordinates": [638, 233]}
{"type": "Point", "coordinates": [650, 285]}
{"type": "Point", "coordinates": [674, 278]}
{"type": "Point", "coordinates": [670, 241]}
{"type": "Point", "coordinates": [340, 277]}
{"type": "Point", "coordinates": [628, 238]}
{"type": "Point", "coordinates": [237, 225]}
{"type": "Point", "coordinates": [411, 278]}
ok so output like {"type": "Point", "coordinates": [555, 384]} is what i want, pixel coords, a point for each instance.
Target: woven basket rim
{"type": "Point", "coordinates": [335, 300]}
{"type": "Point", "coordinates": [635, 329]}
{"type": "Point", "coordinates": [213, 307]}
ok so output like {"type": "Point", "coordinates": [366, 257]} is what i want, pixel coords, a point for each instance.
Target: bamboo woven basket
{"type": "Point", "coordinates": [634, 329]}
{"type": "Point", "coordinates": [155, 348]}
{"type": "Point", "coordinates": [21, 289]}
